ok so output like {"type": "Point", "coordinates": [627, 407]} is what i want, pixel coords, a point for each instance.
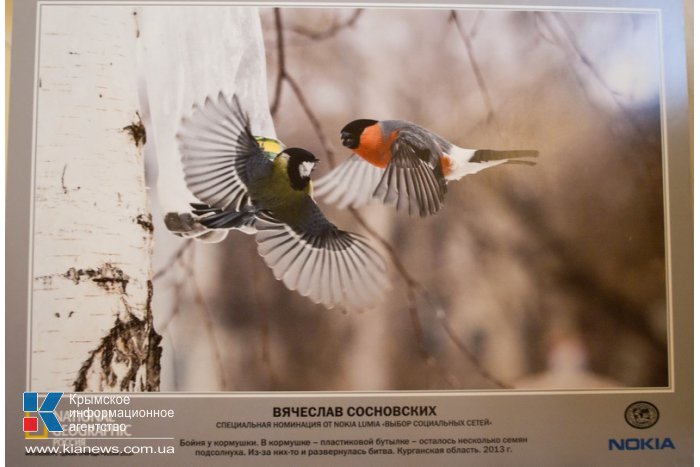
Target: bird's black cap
{"type": "Point", "coordinates": [300, 155]}
{"type": "Point", "coordinates": [297, 156]}
{"type": "Point", "coordinates": [350, 134]}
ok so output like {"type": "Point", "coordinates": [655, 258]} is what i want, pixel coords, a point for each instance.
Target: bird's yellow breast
{"type": "Point", "coordinates": [275, 193]}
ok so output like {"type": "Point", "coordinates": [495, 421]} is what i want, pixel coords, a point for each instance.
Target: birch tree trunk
{"type": "Point", "coordinates": [91, 326]}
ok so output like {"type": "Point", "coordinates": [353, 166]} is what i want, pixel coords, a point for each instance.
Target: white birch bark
{"type": "Point", "coordinates": [91, 322]}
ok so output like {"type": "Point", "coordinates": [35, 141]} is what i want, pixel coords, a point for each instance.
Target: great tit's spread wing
{"type": "Point", "coordinates": [219, 152]}
{"type": "Point", "coordinates": [350, 184]}
{"type": "Point", "coordinates": [413, 180]}
{"type": "Point", "coordinates": [314, 257]}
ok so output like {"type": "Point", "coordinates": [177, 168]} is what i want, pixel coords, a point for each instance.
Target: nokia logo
{"type": "Point", "coordinates": [640, 444]}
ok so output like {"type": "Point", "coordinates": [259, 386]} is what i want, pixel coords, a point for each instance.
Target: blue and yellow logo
{"type": "Point", "coordinates": [46, 413]}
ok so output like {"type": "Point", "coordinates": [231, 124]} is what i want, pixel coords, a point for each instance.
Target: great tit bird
{"type": "Point", "coordinates": [259, 186]}
{"type": "Point", "coordinates": [403, 164]}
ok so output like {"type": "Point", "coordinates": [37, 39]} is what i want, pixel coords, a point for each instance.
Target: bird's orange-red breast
{"type": "Point", "coordinates": [374, 146]}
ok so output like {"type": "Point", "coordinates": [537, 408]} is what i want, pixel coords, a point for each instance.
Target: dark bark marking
{"type": "Point", "coordinates": [136, 21]}
{"type": "Point", "coordinates": [63, 180]}
{"type": "Point", "coordinates": [137, 131]}
{"type": "Point", "coordinates": [107, 276]}
{"type": "Point", "coordinates": [145, 221]}
{"type": "Point", "coordinates": [130, 344]}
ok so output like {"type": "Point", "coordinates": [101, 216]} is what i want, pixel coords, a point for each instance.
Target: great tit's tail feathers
{"type": "Point", "coordinates": [201, 209]}
{"type": "Point", "coordinates": [215, 218]}
{"type": "Point", "coordinates": [184, 224]}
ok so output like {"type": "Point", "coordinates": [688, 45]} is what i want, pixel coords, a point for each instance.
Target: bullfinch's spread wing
{"type": "Point", "coordinates": [413, 180]}
{"type": "Point", "coordinates": [352, 183]}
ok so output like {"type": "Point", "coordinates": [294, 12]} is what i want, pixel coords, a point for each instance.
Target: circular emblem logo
{"type": "Point", "coordinates": [642, 415]}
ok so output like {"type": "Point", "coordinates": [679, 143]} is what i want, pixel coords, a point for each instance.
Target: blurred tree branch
{"type": "Point", "coordinates": [574, 272]}
{"type": "Point", "coordinates": [442, 318]}
{"type": "Point", "coordinates": [413, 287]}
{"type": "Point", "coordinates": [185, 261]}
{"type": "Point", "coordinates": [331, 31]}
{"type": "Point", "coordinates": [585, 60]}
{"type": "Point", "coordinates": [283, 75]}
{"type": "Point", "coordinates": [263, 319]}
{"type": "Point", "coordinates": [281, 66]}
{"type": "Point", "coordinates": [467, 41]}
{"type": "Point", "coordinates": [208, 323]}
{"type": "Point", "coordinates": [174, 259]}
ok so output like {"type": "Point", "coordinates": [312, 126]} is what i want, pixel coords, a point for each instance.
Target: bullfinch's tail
{"type": "Point", "coordinates": [511, 156]}
{"type": "Point", "coordinates": [460, 161]}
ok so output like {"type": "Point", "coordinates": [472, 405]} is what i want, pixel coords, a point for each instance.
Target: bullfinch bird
{"type": "Point", "coordinates": [403, 164]}
{"type": "Point", "coordinates": [259, 186]}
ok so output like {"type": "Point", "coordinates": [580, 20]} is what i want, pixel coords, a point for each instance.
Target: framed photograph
{"type": "Point", "coordinates": [361, 233]}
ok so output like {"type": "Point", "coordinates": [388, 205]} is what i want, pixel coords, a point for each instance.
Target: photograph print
{"type": "Point", "coordinates": [243, 199]}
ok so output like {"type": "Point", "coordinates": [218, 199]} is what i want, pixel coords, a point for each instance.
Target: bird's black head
{"type": "Point", "coordinates": [299, 167]}
{"type": "Point", "coordinates": [350, 134]}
